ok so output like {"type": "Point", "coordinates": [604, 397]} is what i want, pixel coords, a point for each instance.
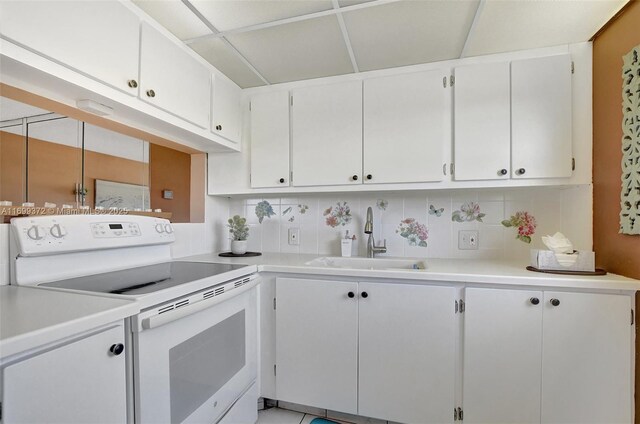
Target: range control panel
{"type": "Point", "coordinates": [42, 235]}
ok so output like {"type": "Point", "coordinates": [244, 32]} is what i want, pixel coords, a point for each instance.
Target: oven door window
{"type": "Point", "coordinates": [204, 363]}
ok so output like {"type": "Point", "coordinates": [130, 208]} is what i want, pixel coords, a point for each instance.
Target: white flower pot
{"type": "Point", "coordinates": [238, 247]}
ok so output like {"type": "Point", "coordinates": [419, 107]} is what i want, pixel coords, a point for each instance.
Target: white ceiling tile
{"type": "Point", "coordinates": [214, 51]}
{"type": "Point", "coordinates": [12, 109]}
{"type": "Point", "coordinates": [174, 16]}
{"type": "Point", "coordinates": [231, 14]}
{"type": "Point", "coordinates": [309, 49]}
{"type": "Point", "coordinates": [407, 33]}
{"type": "Point", "coordinates": [517, 25]}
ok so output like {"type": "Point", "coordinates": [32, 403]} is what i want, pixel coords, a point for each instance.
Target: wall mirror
{"type": "Point", "coordinates": [48, 157]}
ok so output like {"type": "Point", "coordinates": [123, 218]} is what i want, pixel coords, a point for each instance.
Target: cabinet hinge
{"type": "Point", "coordinates": [291, 99]}
{"type": "Point", "coordinates": [452, 80]}
{"type": "Point", "coordinates": [632, 317]}
{"type": "Point", "coordinates": [249, 178]}
{"type": "Point", "coordinates": [0, 411]}
{"type": "Point", "coordinates": [444, 82]}
{"type": "Point", "coordinates": [573, 164]}
{"type": "Point", "coordinates": [460, 414]}
{"type": "Point", "coordinates": [462, 306]}
{"type": "Point", "coordinates": [456, 308]}
{"type": "Point", "coordinates": [455, 414]}
{"type": "Point", "coordinates": [452, 168]}
{"type": "Point", "coordinates": [291, 177]}
{"type": "Point", "coordinates": [274, 303]}
{"type": "Point", "coordinates": [573, 67]}
{"type": "Point", "coordinates": [249, 106]}
{"type": "Point", "coordinates": [274, 369]}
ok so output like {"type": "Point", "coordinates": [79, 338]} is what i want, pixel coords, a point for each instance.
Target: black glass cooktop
{"type": "Point", "coordinates": [146, 279]}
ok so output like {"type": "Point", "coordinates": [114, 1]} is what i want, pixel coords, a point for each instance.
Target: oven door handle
{"type": "Point", "coordinates": [155, 321]}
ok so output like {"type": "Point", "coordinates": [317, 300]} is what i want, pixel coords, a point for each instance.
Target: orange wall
{"type": "Point", "coordinates": [615, 252]}
{"type": "Point", "coordinates": [171, 170]}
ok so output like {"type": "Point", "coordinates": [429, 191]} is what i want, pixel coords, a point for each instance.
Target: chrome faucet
{"type": "Point", "coordinates": [372, 249]}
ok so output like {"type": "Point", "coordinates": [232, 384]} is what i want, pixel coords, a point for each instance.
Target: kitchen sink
{"type": "Point", "coordinates": [369, 263]}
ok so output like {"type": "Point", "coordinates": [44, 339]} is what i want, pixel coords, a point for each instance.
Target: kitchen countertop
{"type": "Point", "coordinates": [474, 271]}
{"type": "Point", "coordinates": [32, 317]}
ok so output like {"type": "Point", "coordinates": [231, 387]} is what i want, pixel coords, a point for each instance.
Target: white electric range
{"type": "Point", "coordinates": [193, 346]}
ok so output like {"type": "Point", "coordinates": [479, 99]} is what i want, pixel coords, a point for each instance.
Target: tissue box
{"type": "Point", "coordinates": [546, 259]}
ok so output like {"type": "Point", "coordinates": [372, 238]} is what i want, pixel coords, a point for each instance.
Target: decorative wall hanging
{"type": "Point", "coordinates": [264, 209]}
{"type": "Point", "coordinates": [630, 196]}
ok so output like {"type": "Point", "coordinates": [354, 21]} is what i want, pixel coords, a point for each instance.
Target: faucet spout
{"type": "Point", "coordinates": [372, 249]}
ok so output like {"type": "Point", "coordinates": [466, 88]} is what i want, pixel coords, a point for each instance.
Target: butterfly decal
{"type": "Point", "coordinates": [434, 211]}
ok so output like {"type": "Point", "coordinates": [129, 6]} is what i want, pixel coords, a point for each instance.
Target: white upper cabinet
{"type": "Point", "coordinates": [226, 115]}
{"type": "Point", "coordinates": [172, 79]}
{"type": "Point", "coordinates": [405, 117]}
{"type": "Point", "coordinates": [482, 123]}
{"type": "Point", "coordinates": [541, 117]}
{"type": "Point", "coordinates": [270, 140]}
{"type": "Point", "coordinates": [327, 134]}
{"type": "Point", "coordinates": [99, 39]}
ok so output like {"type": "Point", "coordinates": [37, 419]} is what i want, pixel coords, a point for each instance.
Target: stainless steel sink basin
{"type": "Point", "coordinates": [369, 263]}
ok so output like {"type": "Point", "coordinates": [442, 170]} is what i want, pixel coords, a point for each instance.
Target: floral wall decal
{"type": "Point", "coordinates": [338, 215]}
{"type": "Point", "coordinates": [415, 233]}
{"type": "Point", "coordinates": [382, 204]}
{"type": "Point", "coordinates": [468, 212]}
{"type": "Point", "coordinates": [264, 209]}
{"type": "Point", "coordinates": [303, 208]}
{"type": "Point", "coordinates": [434, 211]}
{"type": "Point", "coordinates": [525, 223]}
{"type": "Point", "coordinates": [286, 211]}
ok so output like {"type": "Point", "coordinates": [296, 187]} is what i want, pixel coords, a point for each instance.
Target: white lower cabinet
{"type": "Point", "coordinates": [80, 382]}
{"type": "Point", "coordinates": [546, 357]}
{"type": "Point", "coordinates": [383, 350]}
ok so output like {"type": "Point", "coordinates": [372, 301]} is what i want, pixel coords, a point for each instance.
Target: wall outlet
{"type": "Point", "coordinates": [468, 240]}
{"type": "Point", "coordinates": [294, 236]}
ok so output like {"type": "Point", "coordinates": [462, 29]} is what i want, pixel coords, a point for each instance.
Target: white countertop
{"type": "Point", "coordinates": [475, 271]}
{"type": "Point", "coordinates": [33, 317]}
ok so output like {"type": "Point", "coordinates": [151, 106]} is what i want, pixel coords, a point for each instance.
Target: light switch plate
{"type": "Point", "coordinates": [294, 236]}
{"type": "Point", "coordinates": [468, 240]}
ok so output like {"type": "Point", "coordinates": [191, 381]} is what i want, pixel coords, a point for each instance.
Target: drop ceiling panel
{"type": "Point", "coordinates": [214, 51]}
{"type": "Point", "coordinates": [345, 3]}
{"type": "Point", "coordinates": [174, 16]}
{"type": "Point", "coordinates": [517, 25]}
{"type": "Point", "coordinates": [231, 14]}
{"type": "Point", "coordinates": [309, 49]}
{"type": "Point", "coordinates": [407, 33]}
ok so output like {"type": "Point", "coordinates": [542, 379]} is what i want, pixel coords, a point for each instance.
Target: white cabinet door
{"type": "Point", "coordinates": [81, 382]}
{"type": "Point", "coordinates": [502, 354]}
{"type": "Point", "coordinates": [226, 116]}
{"type": "Point", "coordinates": [97, 38]}
{"type": "Point", "coordinates": [405, 118]}
{"type": "Point", "coordinates": [586, 368]}
{"type": "Point", "coordinates": [407, 352]}
{"type": "Point", "coordinates": [541, 117]}
{"type": "Point", "coordinates": [317, 343]}
{"type": "Point", "coordinates": [172, 79]}
{"type": "Point", "coordinates": [270, 140]}
{"type": "Point", "coordinates": [482, 123]}
{"type": "Point", "coordinates": [327, 134]}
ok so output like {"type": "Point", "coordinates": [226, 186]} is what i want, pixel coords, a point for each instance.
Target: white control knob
{"type": "Point", "coordinates": [168, 228]}
{"type": "Point", "coordinates": [36, 232]}
{"type": "Point", "coordinates": [159, 228]}
{"type": "Point", "coordinates": [58, 231]}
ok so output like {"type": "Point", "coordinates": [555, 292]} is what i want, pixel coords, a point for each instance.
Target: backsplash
{"type": "Point", "coordinates": [422, 224]}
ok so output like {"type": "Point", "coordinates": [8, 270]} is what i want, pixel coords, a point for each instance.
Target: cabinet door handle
{"type": "Point", "coordinates": [502, 172]}
{"type": "Point", "coordinates": [281, 180]}
{"type": "Point", "coordinates": [354, 178]}
{"type": "Point", "coordinates": [369, 177]}
{"type": "Point", "coordinates": [364, 294]}
{"type": "Point", "coordinates": [151, 93]}
{"type": "Point", "coordinates": [219, 127]}
{"type": "Point", "coordinates": [351, 295]}
{"type": "Point", "coordinates": [116, 349]}
{"type": "Point", "coordinates": [521, 171]}
{"type": "Point", "coordinates": [555, 302]}
{"type": "Point", "coordinates": [132, 83]}
{"type": "Point", "coordinates": [534, 300]}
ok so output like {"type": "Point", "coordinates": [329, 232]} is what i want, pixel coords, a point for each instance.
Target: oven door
{"type": "Point", "coordinates": [192, 367]}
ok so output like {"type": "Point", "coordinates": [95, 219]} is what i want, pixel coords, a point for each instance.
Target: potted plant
{"type": "Point", "coordinates": [239, 234]}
